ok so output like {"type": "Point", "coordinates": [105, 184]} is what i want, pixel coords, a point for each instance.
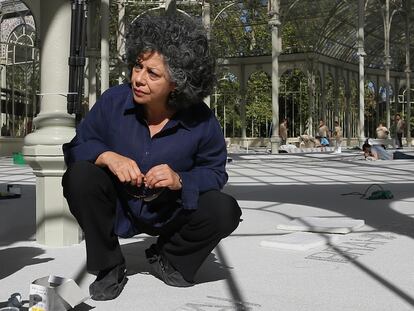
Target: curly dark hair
{"type": "Point", "coordinates": [184, 46]}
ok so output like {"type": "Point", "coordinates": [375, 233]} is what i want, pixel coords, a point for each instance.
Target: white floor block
{"type": "Point", "coordinates": [299, 241]}
{"type": "Point", "coordinates": [320, 224]}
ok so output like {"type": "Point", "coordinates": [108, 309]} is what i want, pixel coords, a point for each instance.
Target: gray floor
{"type": "Point", "coordinates": [370, 269]}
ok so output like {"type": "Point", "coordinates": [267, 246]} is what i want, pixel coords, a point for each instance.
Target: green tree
{"type": "Point", "coordinates": [258, 103]}
{"type": "Point", "coordinates": [225, 102]}
{"type": "Point", "coordinates": [240, 29]}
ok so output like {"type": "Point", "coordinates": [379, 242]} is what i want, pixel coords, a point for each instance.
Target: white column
{"type": "Point", "coordinates": [120, 41]}
{"type": "Point", "coordinates": [336, 99]}
{"type": "Point", "coordinates": [322, 104]}
{"type": "Point", "coordinates": [3, 85]}
{"type": "Point", "coordinates": [170, 7]}
{"type": "Point", "coordinates": [54, 126]}
{"type": "Point", "coordinates": [104, 45]}
{"type": "Point", "coordinates": [243, 86]}
{"type": "Point", "coordinates": [274, 23]}
{"type": "Point", "coordinates": [361, 54]}
{"type": "Point", "coordinates": [312, 97]}
{"type": "Point", "coordinates": [92, 52]}
{"type": "Point", "coordinates": [387, 59]}
{"type": "Point", "coordinates": [408, 70]}
{"type": "Point", "coordinates": [206, 17]}
{"type": "Point", "coordinates": [347, 127]}
{"type": "Point", "coordinates": [205, 12]}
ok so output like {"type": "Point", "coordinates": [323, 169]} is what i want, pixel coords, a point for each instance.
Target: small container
{"type": "Point", "coordinates": [18, 159]}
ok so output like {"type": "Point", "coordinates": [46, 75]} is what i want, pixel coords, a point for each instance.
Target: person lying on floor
{"type": "Point", "coordinates": [377, 152]}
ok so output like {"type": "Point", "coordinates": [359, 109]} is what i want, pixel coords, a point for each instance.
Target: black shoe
{"type": "Point", "coordinates": [163, 270]}
{"type": "Point", "coordinates": [109, 283]}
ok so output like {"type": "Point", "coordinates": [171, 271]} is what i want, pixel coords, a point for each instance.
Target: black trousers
{"type": "Point", "coordinates": [399, 140]}
{"type": "Point", "coordinates": [186, 241]}
{"type": "Point", "coordinates": [401, 156]}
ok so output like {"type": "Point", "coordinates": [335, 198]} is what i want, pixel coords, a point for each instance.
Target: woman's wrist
{"type": "Point", "coordinates": [179, 182]}
{"type": "Point", "coordinates": [101, 160]}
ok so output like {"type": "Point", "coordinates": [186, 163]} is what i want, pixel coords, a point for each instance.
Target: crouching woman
{"type": "Point", "coordinates": [150, 158]}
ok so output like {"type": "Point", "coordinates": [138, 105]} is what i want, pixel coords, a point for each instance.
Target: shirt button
{"type": "Point", "coordinates": [146, 153]}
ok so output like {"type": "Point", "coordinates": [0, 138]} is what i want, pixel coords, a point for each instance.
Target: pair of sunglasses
{"type": "Point", "coordinates": [142, 192]}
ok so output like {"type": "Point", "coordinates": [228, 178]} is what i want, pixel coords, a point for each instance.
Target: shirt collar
{"type": "Point", "coordinates": [181, 117]}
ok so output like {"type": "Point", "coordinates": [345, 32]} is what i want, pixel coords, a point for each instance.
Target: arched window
{"type": "Point", "coordinates": [19, 79]}
{"type": "Point", "coordinates": [20, 45]}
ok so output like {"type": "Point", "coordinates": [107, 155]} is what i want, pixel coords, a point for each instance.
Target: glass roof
{"type": "Point", "coordinates": [328, 27]}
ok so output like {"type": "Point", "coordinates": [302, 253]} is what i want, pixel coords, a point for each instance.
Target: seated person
{"type": "Point", "coordinates": [377, 152]}
{"type": "Point", "coordinates": [306, 141]}
{"type": "Point", "coordinates": [321, 141]}
{"type": "Point", "coordinates": [382, 131]}
{"type": "Point", "coordinates": [324, 142]}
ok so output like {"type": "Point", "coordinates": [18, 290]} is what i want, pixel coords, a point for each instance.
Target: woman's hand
{"type": "Point", "coordinates": [162, 176]}
{"type": "Point", "coordinates": [122, 167]}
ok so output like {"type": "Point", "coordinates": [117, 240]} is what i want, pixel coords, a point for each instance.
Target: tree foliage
{"type": "Point", "coordinates": [226, 104]}
{"type": "Point", "coordinates": [240, 29]}
{"type": "Point", "coordinates": [258, 102]}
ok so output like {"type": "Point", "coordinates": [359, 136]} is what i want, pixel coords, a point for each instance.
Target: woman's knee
{"type": "Point", "coordinates": [83, 177]}
{"type": "Point", "coordinates": [222, 209]}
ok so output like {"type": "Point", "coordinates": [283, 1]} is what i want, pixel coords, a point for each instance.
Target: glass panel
{"type": "Point", "coordinates": [19, 71]}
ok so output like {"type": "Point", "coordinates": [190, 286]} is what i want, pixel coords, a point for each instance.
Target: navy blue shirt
{"type": "Point", "coordinates": [191, 143]}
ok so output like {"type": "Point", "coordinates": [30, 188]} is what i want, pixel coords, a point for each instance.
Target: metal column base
{"type": "Point", "coordinates": [275, 144]}
{"type": "Point", "coordinates": [55, 225]}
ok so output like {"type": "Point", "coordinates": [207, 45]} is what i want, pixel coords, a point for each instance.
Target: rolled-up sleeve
{"type": "Point", "coordinates": [209, 171]}
{"type": "Point", "coordinates": [91, 133]}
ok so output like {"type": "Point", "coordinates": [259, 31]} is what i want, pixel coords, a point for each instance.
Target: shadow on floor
{"type": "Point", "coordinates": [134, 253]}
{"type": "Point", "coordinates": [378, 214]}
{"type": "Point", "coordinates": [18, 217]}
{"type": "Point", "coordinates": [15, 258]}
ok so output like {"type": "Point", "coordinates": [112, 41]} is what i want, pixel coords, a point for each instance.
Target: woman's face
{"type": "Point", "coordinates": [150, 80]}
